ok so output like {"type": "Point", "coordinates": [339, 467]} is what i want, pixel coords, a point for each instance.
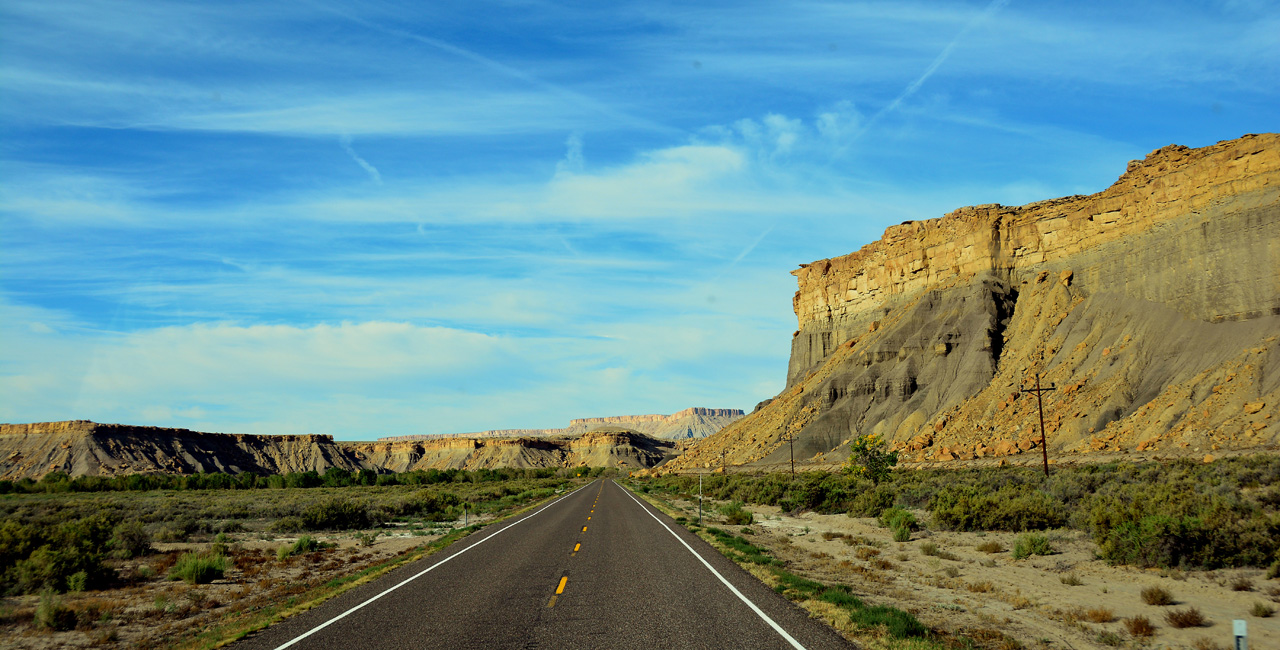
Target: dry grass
{"type": "Point", "coordinates": [1156, 596]}
{"type": "Point", "coordinates": [1140, 627]}
{"type": "Point", "coordinates": [883, 564]}
{"type": "Point", "coordinates": [1242, 584]}
{"type": "Point", "coordinates": [991, 546]}
{"type": "Point", "coordinates": [1071, 580]}
{"type": "Point", "coordinates": [980, 587]}
{"type": "Point", "coordinates": [866, 552]}
{"type": "Point", "coordinates": [1205, 643]}
{"type": "Point", "coordinates": [1100, 615]}
{"type": "Point", "coordinates": [1184, 618]}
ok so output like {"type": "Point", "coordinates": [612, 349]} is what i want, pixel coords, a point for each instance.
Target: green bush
{"type": "Point", "coordinates": [130, 539]}
{"type": "Point", "coordinates": [304, 544]}
{"type": "Point", "coordinates": [736, 515]}
{"type": "Point", "coordinates": [290, 524]}
{"type": "Point", "coordinates": [198, 568]}
{"type": "Point", "coordinates": [1031, 544]}
{"type": "Point", "coordinates": [872, 502]}
{"type": "Point", "coordinates": [336, 514]}
{"type": "Point", "coordinates": [1012, 508]}
{"type": "Point", "coordinates": [51, 614]}
{"type": "Point", "coordinates": [898, 518]}
{"type": "Point", "coordinates": [868, 458]}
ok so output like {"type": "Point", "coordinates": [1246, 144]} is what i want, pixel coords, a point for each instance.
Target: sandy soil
{"type": "Point", "coordinates": [151, 611]}
{"type": "Point", "coordinates": [962, 588]}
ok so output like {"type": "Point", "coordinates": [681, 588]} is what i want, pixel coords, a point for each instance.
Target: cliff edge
{"type": "Point", "coordinates": [1152, 306]}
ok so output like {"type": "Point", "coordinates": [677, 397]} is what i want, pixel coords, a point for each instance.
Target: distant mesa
{"type": "Point", "coordinates": [693, 422]}
{"type": "Point", "coordinates": [1152, 306]}
{"type": "Point", "coordinates": [81, 448]}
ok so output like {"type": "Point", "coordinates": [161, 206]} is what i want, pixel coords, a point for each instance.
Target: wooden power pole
{"type": "Point", "coordinates": [1044, 447]}
{"type": "Point", "coordinates": [791, 439]}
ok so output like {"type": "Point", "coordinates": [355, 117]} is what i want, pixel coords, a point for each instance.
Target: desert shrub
{"type": "Point", "coordinates": [1242, 584]}
{"type": "Point", "coordinates": [51, 614]}
{"type": "Point", "coordinates": [198, 568]}
{"type": "Point", "coordinates": [1140, 627]}
{"type": "Point", "coordinates": [78, 581]}
{"type": "Point", "coordinates": [1156, 596]}
{"type": "Point", "coordinates": [130, 539]}
{"type": "Point", "coordinates": [1071, 580]}
{"type": "Point", "coordinates": [980, 587]}
{"type": "Point", "coordinates": [1100, 615]}
{"type": "Point", "coordinates": [290, 524]}
{"type": "Point", "coordinates": [304, 544]}
{"type": "Point", "coordinates": [1178, 524]}
{"type": "Point", "coordinates": [336, 514]}
{"type": "Point", "coordinates": [1183, 618]}
{"type": "Point", "coordinates": [1013, 508]}
{"type": "Point", "coordinates": [1031, 544]}
{"type": "Point", "coordinates": [1107, 637]}
{"type": "Point", "coordinates": [990, 546]}
{"type": "Point", "coordinates": [869, 458]}
{"type": "Point", "coordinates": [898, 518]}
{"type": "Point", "coordinates": [1262, 610]}
{"type": "Point", "coordinates": [929, 548]}
{"type": "Point", "coordinates": [1205, 643]}
{"type": "Point", "coordinates": [872, 502]}
{"type": "Point", "coordinates": [735, 514]}
{"type": "Point", "coordinates": [902, 534]}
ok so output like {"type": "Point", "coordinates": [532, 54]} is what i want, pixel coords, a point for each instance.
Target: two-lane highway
{"type": "Point", "coordinates": [596, 568]}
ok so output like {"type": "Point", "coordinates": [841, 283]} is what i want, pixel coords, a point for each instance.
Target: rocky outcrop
{"type": "Point", "coordinates": [81, 447]}
{"type": "Point", "coordinates": [87, 448]}
{"type": "Point", "coordinates": [1152, 306]}
{"type": "Point", "coordinates": [605, 448]}
{"type": "Point", "coordinates": [693, 422]}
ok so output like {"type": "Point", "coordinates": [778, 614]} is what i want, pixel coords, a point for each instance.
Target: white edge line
{"type": "Point", "coordinates": [777, 628]}
{"type": "Point", "coordinates": [425, 571]}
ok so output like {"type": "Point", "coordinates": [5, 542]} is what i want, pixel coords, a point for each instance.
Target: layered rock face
{"type": "Point", "coordinates": [606, 448]}
{"type": "Point", "coordinates": [1153, 306]}
{"type": "Point", "coordinates": [693, 422]}
{"type": "Point", "coordinates": [82, 448]}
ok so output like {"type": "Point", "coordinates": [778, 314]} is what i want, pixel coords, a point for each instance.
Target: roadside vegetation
{"type": "Point", "coordinates": [201, 552]}
{"type": "Point", "coordinates": [1175, 514]}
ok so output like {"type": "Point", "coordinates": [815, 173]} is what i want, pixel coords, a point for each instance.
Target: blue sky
{"type": "Point", "coordinates": [384, 218]}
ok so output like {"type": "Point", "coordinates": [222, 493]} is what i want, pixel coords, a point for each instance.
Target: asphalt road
{"type": "Point", "coordinates": [596, 568]}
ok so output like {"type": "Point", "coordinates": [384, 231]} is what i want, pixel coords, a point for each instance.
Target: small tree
{"type": "Point", "coordinates": [868, 457]}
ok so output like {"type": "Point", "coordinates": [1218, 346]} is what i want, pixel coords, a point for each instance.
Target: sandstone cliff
{"type": "Point", "coordinates": [1153, 306]}
{"type": "Point", "coordinates": [88, 448]}
{"type": "Point", "coordinates": [693, 422]}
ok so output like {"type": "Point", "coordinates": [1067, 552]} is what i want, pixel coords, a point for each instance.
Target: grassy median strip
{"type": "Point", "coordinates": [879, 627]}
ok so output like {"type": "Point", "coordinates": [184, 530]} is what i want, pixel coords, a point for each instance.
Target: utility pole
{"type": "Point", "coordinates": [699, 498]}
{"type": "Point", "coordinates": [791, 439]}
{"type": "Point", "coordinates": [1044, 447]}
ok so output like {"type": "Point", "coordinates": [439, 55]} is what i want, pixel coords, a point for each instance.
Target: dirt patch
{"type": "Point", "coordinates": [1067, 599]}
{"type": "Point", "coordinates": [148, 610]}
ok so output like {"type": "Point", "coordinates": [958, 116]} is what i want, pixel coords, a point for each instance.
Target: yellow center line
{"type": "Point", "coordinates": [588, 518]}
{"type": "Point", "coordinates": [552, 603]}
{"type": "Point", "coordinates": [577, 546]}
{"type": "Point", "coordinates": [560, 589]}
{"type": "Point", "coordinates": [584, 529]}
